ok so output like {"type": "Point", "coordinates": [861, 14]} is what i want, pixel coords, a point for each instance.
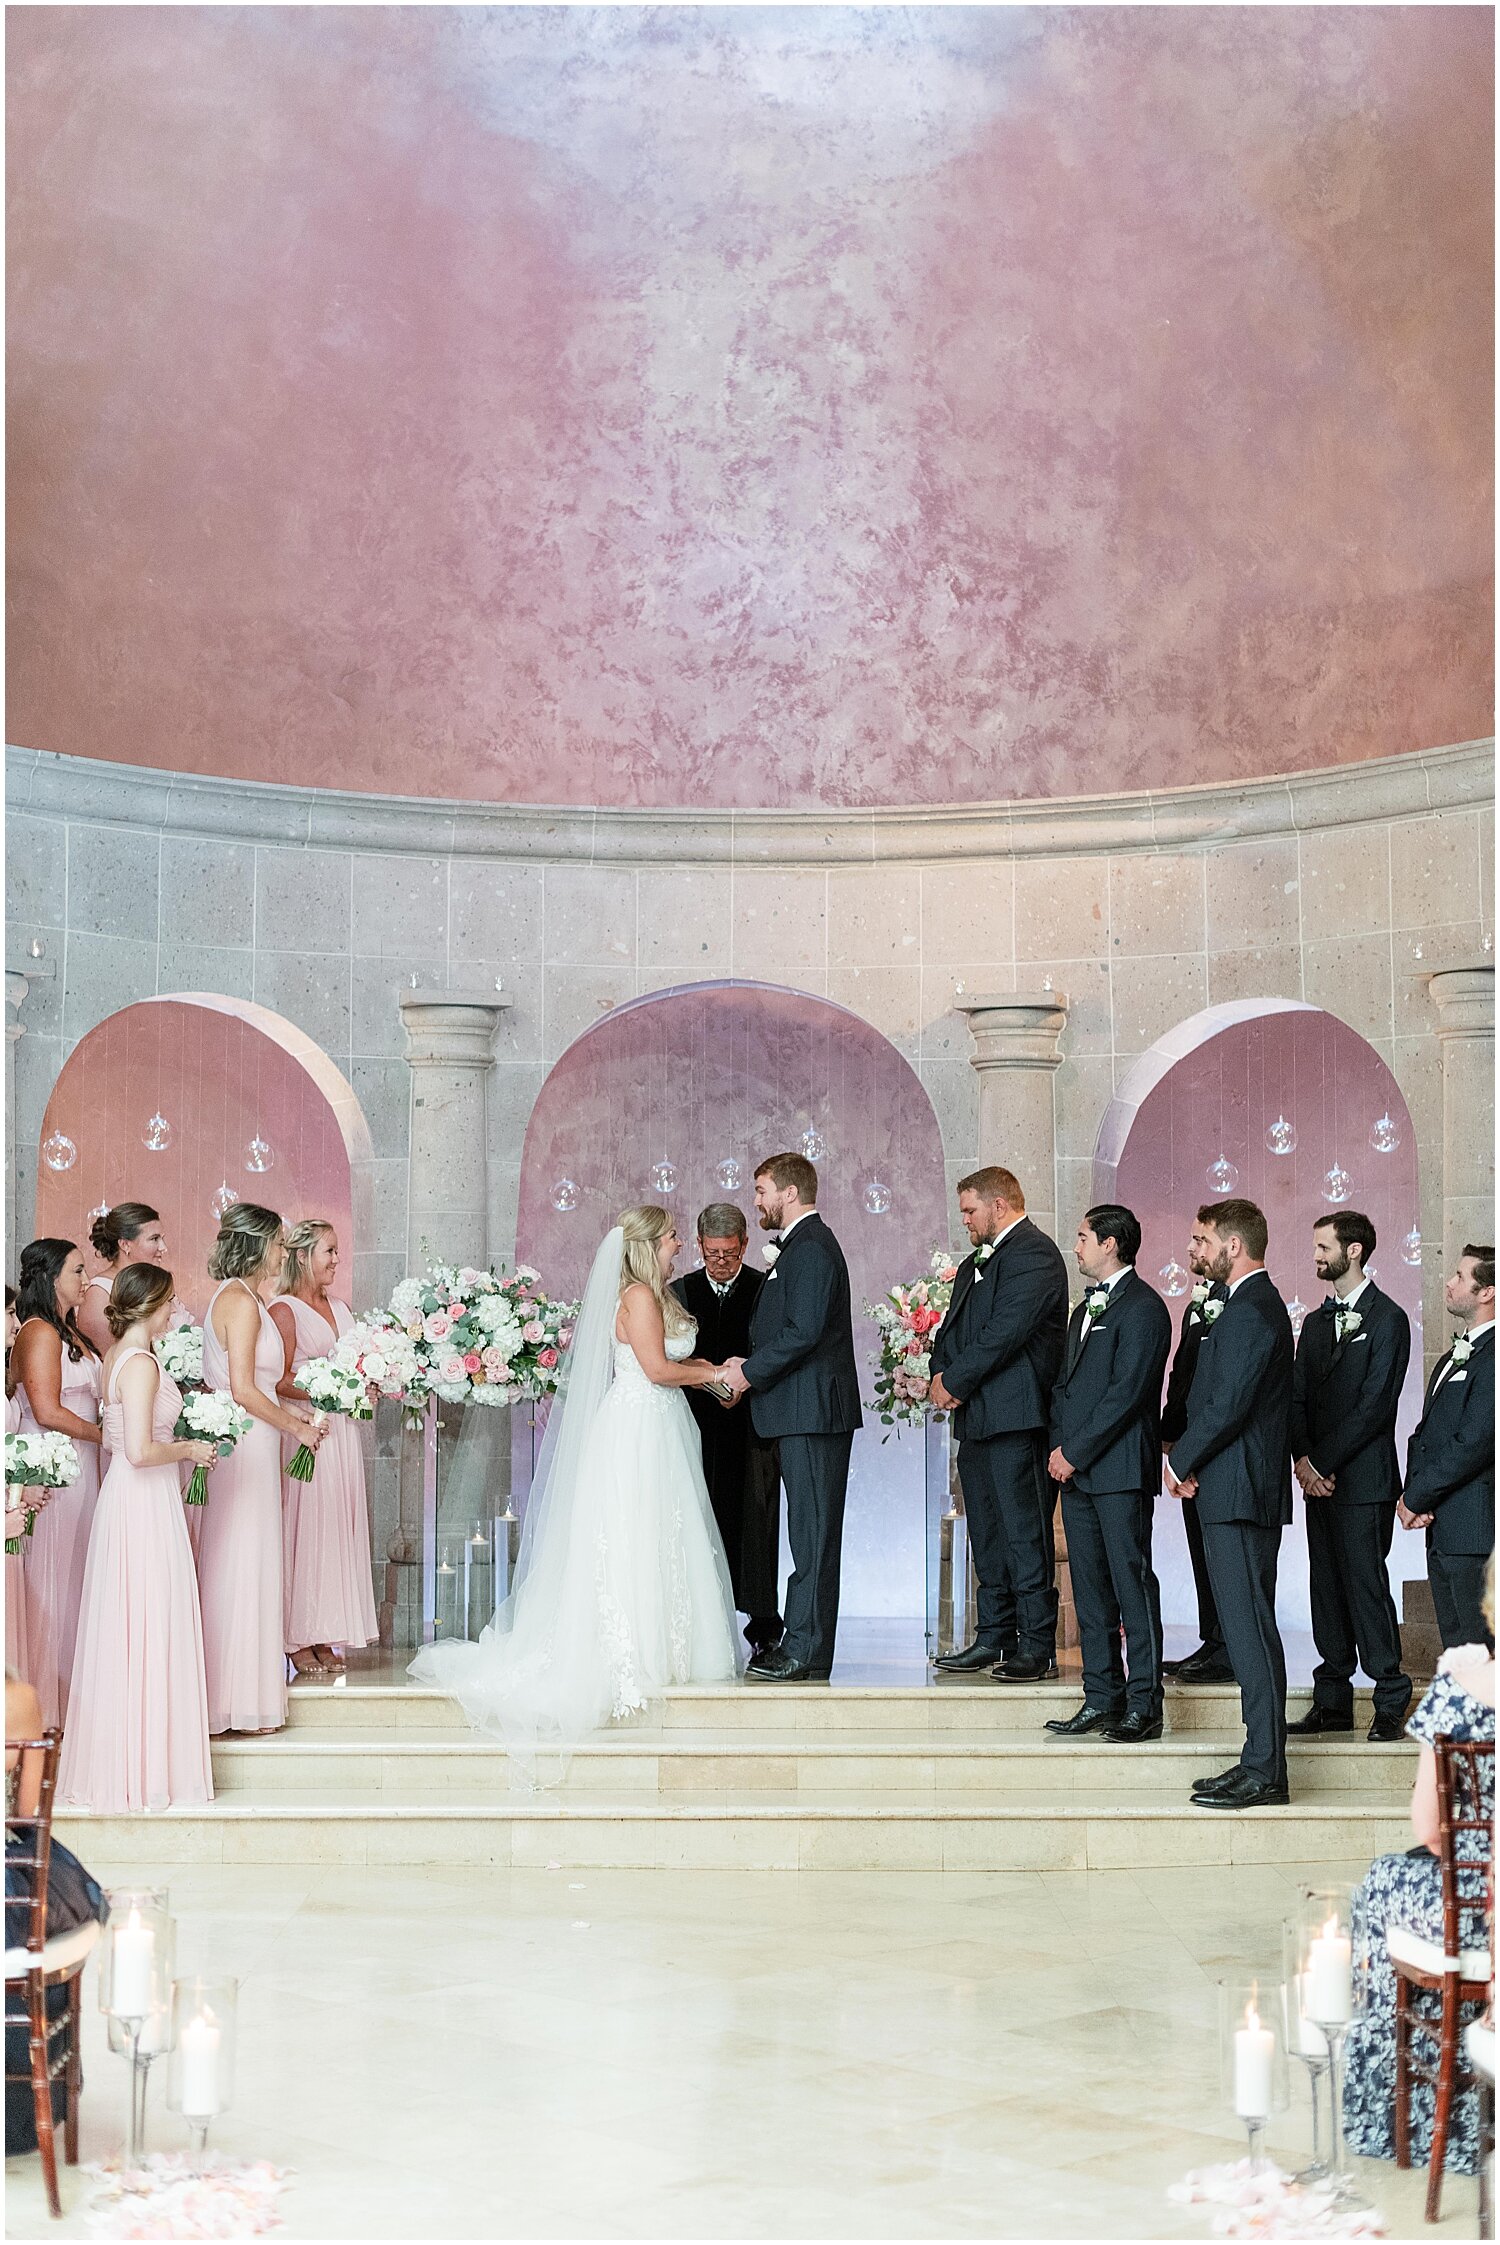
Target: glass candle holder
{"type": "Point", "coordinates": [1252, 2047]}
{"type": "Point", "coordinates": [135, 1989]}
{"type": "Point", "coordinates": [1308, 2044]}
{"type": "Point", "coordinates": [200, 2074]}
{"type": "Point", "coordinates": [1330, 1995]}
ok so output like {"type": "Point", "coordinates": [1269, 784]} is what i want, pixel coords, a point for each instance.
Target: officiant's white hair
{"type": "Point", "coordinates": [643, 1229]}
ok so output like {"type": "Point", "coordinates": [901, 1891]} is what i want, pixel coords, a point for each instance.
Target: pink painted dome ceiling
{"type": "Point", "coordinates": [779, 406]}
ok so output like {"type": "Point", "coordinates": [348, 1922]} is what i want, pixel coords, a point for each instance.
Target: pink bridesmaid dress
{"type": "Point", "coordinates": [330, 1589]}
{"type": "Point", "coordinates": [239, 1551]}
{"type": "Point", "coordinates": [17, 1636]}
{"type": "Point", "coordinates": [138, 1738]}
{"type": "Point", "coordinates": [57, 1549]}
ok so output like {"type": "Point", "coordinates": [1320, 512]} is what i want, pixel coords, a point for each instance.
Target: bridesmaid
{"type": "Point", "coordinates": [138, 1739]}
{"type": "Point", "coordinates": [56, 1371]}
{"type": "Point", "coordinates": [128, 1234]}
{"type": "Point", "coordinates": [239, 1543]}
{"type": "Point", "coordinates": [330, 1594]}
{"type": "Point", "coordinates": [17, 1650]}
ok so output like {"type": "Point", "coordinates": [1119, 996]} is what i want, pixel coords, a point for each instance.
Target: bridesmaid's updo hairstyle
{"type": "Point", "coordinates": [246, 1236]}
{"type": "Point", "coordinates": [300, 1242]}
{"type": "Point", "coordinates": [139, 1291]}
{"type": "Point", "coordinates": [108, 1232]}
{"type": "Point", "coordinates": [41, 1266]}
{"type": "Point", "coordinates": [643, 1228]}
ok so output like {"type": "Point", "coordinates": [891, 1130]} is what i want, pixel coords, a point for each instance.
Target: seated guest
{"type": "Point", "coordinates": [1233, 1461]}
{"type": "Point", "coordinates": [1106, 1456]}
{"type": "Point", "coordinates": [740, 1467]}
{"type": "Point", "coordinates": [1210, 1663]}
{"type": "Point", "coordinates": [130, 1233]}
{"type": "Point", "coordinates": [1450, 1460]}
{"type": "Point", "coordinates": [1407, 1890]}
{"type": "Point", "coordinates": [1351, 1361]}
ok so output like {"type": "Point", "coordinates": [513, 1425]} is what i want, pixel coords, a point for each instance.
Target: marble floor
{"type": "Point", "coordinates": [616, 2053]}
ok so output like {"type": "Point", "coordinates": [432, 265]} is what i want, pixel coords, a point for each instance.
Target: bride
{"type": "Point", "coordinates": [622, 1586]}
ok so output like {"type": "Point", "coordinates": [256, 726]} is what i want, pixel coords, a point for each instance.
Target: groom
{"type": "Point", "coordinates": [804, 1395]}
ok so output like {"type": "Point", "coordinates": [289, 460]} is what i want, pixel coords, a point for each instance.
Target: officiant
{"type": "Point", "coordinates": [741, 1469]}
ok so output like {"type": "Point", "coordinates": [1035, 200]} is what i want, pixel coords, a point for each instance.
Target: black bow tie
{"type": "Point", "coordinates": [1330, 1305]}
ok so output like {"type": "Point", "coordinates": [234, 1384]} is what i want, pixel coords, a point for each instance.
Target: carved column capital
{"type": "Point", "coordinates": [1463, 997]}
{"type": "Point", "coordinates": [1015, 1028]}
{"type": "Point", "coordinates": [451, 1028]}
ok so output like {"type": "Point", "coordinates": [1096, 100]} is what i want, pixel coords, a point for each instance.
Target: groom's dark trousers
{"type": "Point", "coordinates": [804, 1396]}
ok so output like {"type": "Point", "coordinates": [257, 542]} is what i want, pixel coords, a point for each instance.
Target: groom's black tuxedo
{"type": "Point", "coordinates": [744, 1480]}
{"type": "Point", "coordinates": [804, 1395]}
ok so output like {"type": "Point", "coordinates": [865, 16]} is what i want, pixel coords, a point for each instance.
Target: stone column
{"type": "Point", "coordinates": [1463, 998]}
{"type": "Point", "coordinates": [1015, 1052]}
{"type": "Point", "coordinates": [17, 984]}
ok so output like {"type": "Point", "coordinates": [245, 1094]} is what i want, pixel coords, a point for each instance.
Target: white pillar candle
{"type": "Point", "coordinates": [134, 1956]}
{"type": "Point", "coordinates": [1254, 2061]}
{"type": "Point", "coordinates": [198, 2059]}
{"type": "Point", "coordinates": [1329, 1993]}
{"type": "Point", "coordinates": [1311, 2040]}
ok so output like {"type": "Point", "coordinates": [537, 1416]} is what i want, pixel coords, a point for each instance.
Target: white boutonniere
{"type": "Point", "coordinates": [770, 1252]}
{"type": "Point", "coordinates": [1462, 1349]}
{"type": "Point", "coordinates": [1212, 1312]}
{"type": "Point", "coordinates": [981, 1257]}
{"type": "Point", "coordinates": [1200, 1293]}
{"type": "Point", "coordinates": [1096, 1301]}
{"type": "Point", "coordinates": [1346, 1322]}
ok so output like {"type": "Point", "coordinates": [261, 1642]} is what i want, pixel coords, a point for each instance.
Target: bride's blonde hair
{"type": "Point", "coordinates": [644, 1228]}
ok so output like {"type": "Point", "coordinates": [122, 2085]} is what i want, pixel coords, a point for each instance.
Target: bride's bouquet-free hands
{"type": "Point", "coordinates": [35, 1460]}
{"type": "Point", "coordinates": [212, 1417]}
{"type": "Point", "coordinates": [334, 1389]}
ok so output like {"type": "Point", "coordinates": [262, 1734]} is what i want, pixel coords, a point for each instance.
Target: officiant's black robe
{"type": "Point", "coordinates": [740, 1467]}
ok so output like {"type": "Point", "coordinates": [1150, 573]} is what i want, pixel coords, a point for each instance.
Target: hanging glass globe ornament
{"type": "Point", "coordinates": [37, 948]}
{"type": "Point", "coordinates": [1281, 1136]}
{"type": "Point", "coordinates": [564, 1195]}
{"type": "Point", "coordinates": [1411, 1247]}
{"type": "Point", "coordinates": [58, 1150]}
{"type": "Point", "coordinates": [664, 1177]}
{"type": "Point", "coordinates": [1174, 1279]}
{"type": "Point", "coordinates": [729, 1176]}
{"type": "Point", "coordinates": [1338, 1185]}
{"type": "Point", "coordinates": [222, 1201]}
{"type": "Point", "coordinates": [157, 1135]}
{"type": "Point", "coordinates": [1385, 1136]}
{"type": "Point", "coordinates": [877, 1198]}
{"type": "Point", "coordinates": [812, 1142]}
{"type": "Point", "coordinates": [1222, 1175]}
{"type": "Point", "coordinates": [1296, 1310]}
{"type": "Point", "coordinates": [259, 1157]}
{"type": "Point", "coordinates": [94, 1214]}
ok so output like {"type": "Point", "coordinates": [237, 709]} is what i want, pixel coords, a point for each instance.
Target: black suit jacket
{"type": "Point", "coordinates": [1345, 1395]}
{"type": "Point", "coordinates": [1238, 1435]}
{"type": "Point", "coordinates": [1106, 1407]}
{"type": "Point", "coordinates": [801, 1369]}
{"type": "Point", "coordinates": [1185, 1364]}
{"type": "Point", "coordinates": [1000, 1347]}
{"type": "Point", "coordinates": [1450, 1460]}
{"type": "Point", "coordinates": [723, 1331]}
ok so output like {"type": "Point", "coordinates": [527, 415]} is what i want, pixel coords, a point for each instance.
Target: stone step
{"type": "Point", "coordinates": [770, 1831]}
{"type": "Point", "coordinates": [404, 1768]}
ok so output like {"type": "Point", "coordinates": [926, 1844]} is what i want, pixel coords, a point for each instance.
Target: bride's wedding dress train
{"type": "Point", "coordinates": [627, 1587]}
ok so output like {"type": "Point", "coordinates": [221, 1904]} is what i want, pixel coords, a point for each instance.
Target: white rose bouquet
{"type": "Point", "coordinates": [213, 1417]}
{"type": "Point", "coordinates": [179, 1352]}
{"type": "Point", "coordinates": [331, 1386]}
{"type": "Point", "coordinates": [36, 1459]}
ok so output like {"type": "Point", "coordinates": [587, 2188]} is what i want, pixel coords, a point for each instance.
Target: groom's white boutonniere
{"type": "Point", "coordinates": [1462, 1349]}
{"type": "Point", "coordinates": [1346, 1322]}
{"type": "Point", "coordinates": [1096, 1302]}
{"type": "Point", "coordinates": [770, 1252]}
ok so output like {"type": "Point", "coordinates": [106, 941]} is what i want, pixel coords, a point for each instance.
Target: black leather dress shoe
{"type": "Point", "coordinates": [1317, 1721]}
{"type": "Point", "coordinates": [1175, 1667]}
{"type": "Point", "coordinates": [778, 1667]}
{"type": "Point", "coordinates": [1087, 1719]}
{"type": "Point", "coordinates": [1020, 1670]}
{"type": "Point", "coordinates": [1134, 1729]}
{"type": "Point", "coordinates": [1251, 1792]}
{"type": "Point", "coordinates": [1225, 1778]}
{"type": "Point", "coordinates": [971, 1659]}
{"type": "Point", "coordinates": [1386, 1729]}
{"type": "Point", "coordinates": [1204, 1668]}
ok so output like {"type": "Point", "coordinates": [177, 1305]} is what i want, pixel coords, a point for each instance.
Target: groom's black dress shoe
{"type": "Point", "coordinates": [1025, 1668]}
{"type": "Point", "coordinates": [973, 1656]}
{"type": "Point", "coordinates": [1135, 1728]}
{"type": "Point", "coordinates": [1250, 1792]}
{"type": "Point", "coordinates": [778, 1667]}
{"type": "Point", "coordinates": [1087, 1719]}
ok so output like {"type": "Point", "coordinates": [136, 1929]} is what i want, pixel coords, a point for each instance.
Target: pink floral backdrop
{"type": "Point", "coordinates": [1285, 1095]}
{"type": "Point", "coordinates": [687, 1081]}
{"type": "Point", "coordinates": [219, 1083]}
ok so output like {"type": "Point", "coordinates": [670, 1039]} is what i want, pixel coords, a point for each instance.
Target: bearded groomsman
{"type": "Point", "coordinates": [1233, 1461]}
{"type": "Point", "coordinates": [1210, 1663]}
{"type": "Point", "coordinates": [1351, 1361]}
{"type": "Point", "coordinates": [995, 1358]}
{"type": "Point", "coordinates": [1106, 1456]}
{"type": "Point", "coordinates": [1450, 1460]}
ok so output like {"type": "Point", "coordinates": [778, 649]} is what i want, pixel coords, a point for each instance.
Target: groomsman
{"type": "Point", "coordinates": [995, 1358]}
{"type": "Point", "coordinates": [1210, 1663]}
{"type": "Point", "coordinates": [1351, 1361]}
{"type": "Point", "coordinates": [1232, 1461]}
{"type": "Point", "coordinates": [1106, 1435]}
{"type": "Point", "coordinates": [1450, 1460]}
{"type": "Point", "coordinates": [744, 1479]}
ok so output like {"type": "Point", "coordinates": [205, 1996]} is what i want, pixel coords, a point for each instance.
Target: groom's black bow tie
{"type": "Point", "coordinates": [1329, 1305]}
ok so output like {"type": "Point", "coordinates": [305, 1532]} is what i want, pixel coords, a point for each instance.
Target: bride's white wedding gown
{"type": "Point", "coordinates": [628, 1592]}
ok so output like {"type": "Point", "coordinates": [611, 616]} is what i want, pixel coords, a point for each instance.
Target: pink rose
{"type": "Point", "coordinates": [503, 1375]}
{"type": "Point", "coordinates": [492, 1361]}
{"type": "Point", "coordinates": [533, 1330]}
{"type": "Point", "coordinates": [564, 1335]}
{"type": "Point", "coordinates": [547, 1359]}
{"type": "Point", "coordinates": [436, 1326]}
{"type": "Point", "coordinates": [452, 1370]}
{"type": "Point", "coordinates": [471, 1362]}
{"type": "Point", "coordinates": [914, 1345]}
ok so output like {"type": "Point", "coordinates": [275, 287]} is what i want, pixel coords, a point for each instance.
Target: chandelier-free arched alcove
{"type": "Point", "coordinates": [177, 1101]}
{"type": "Point", "coordinates": [673, 1098]}
{"type": "Point", "coordinates": [1283, 1104]}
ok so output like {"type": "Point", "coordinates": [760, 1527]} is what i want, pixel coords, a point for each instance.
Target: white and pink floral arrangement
{"type": "Point", "coordinates": [908, 1317]}
{"type": "Point", "coordinates": [468, 1336]}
